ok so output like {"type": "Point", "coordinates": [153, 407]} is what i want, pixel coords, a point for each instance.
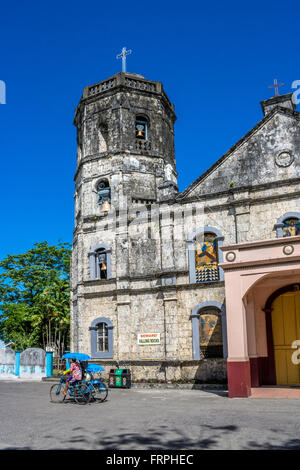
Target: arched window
{"type": "Point", "coordinates": [210, 333]}
{"type": "Point", "coordinates": [100, 262]}
{"type": "Point", "coordinates": [141, 128]}
{"type": "Point", "coordinates": [101, 338]}
{"type": "Point", "coordinates": [103, 193]}
{"type": "Point", "coordinates": [103, 137]}
{"type": "Point", "coordinates": [288, 225]}
{"type": "Point", "coordinates": [209, 330]}
{"type": "Point", "coordinates": [205, 255]}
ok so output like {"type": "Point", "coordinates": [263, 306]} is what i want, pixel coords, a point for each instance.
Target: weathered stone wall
{"type": "Point", "coordinates": [150, 289]}
{"type": "Point", "coordinates": [206, 371]}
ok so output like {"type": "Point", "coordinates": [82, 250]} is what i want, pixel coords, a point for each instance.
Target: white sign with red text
{"type": "Point", "coordinates": [148, 338]}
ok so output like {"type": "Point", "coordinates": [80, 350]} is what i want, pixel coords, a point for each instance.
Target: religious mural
{"type": "Point", "coordinates": [206, 259]}
{"type": "Point", "coordinates": [291, 227]}
{"type": "Point", "coordinates": [210, 334]}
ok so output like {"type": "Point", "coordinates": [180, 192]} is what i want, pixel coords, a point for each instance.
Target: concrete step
{"type": "Point", "coordinates": [186, 386]}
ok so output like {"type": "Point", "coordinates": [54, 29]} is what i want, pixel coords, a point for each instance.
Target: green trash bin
{"type": "Point", "coordinates": [118, 377]}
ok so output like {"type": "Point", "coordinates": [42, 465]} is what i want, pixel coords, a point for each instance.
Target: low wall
{"type": "Point", "coordinates": [29, 364]}
{"type": "Point", "coordinates": [210, 371]}
{"type": "Point", "coordinates": [7, 362]}
{"type": "Point", "coordinates": [33, 363]}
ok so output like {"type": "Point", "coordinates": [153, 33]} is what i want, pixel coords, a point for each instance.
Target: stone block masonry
{"type": "Point", "coordinates": [148, 230]}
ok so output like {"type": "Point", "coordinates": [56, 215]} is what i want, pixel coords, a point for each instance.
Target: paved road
{"type": "Point", "coordinates": [145, 419]}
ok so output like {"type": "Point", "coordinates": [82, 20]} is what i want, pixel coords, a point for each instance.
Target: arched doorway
{"type": "Point", "coordinates": [283, 329]}
{"type": "Point", "coordinates": [253, 272]}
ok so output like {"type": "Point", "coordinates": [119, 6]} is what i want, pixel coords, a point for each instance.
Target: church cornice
{"type": "Point", "coordinates": [241, 189]}
{"type": "Point", "coordinates": [127, 83]}
{"type": "Point", "coordinates": [105, 156]}
{"type": "Point", "coordinates": [133, 290]}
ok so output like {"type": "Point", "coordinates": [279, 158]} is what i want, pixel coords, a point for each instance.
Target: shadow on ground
{"type": "Point", "coordinates": [164, 438]}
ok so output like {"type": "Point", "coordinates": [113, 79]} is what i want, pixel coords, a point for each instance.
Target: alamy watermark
{"type": "Point", "coordinates": [296, 354]}
{"type": "Point", "coordinates": [296, 94]}
{"type": "Point", "coordinates": [171, 224]}
{"type": "Point", "coordinates": [2, 92]}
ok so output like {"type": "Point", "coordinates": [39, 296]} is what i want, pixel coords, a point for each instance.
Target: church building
{"type": "Point", "coordinates": [201, 285]}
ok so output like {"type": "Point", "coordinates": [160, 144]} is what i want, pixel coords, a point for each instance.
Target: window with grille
{"type": "Point", "coordinates": [102, 337]}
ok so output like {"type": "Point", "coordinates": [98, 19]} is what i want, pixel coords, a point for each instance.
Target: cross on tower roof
{"type": "Point", "coordinates": [122, 56]}
{"type": "Point", "coordinates": [275, 86]}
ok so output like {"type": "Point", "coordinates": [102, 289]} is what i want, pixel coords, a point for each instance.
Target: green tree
{"type": "Point", "coordinates": [34, 297]}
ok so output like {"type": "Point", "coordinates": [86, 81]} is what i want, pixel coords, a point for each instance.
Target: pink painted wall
{"type": "Point", "coordinates": [259, 269]}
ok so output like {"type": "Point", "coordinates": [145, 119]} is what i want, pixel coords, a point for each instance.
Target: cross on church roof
{"type": "Point", "coordinates": [275, 86]}
{"type": "Point", "coordinates": [122, 56]}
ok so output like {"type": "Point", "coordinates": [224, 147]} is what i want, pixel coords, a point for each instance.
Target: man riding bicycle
{"type": "Point", "coordinates": [76, 371]}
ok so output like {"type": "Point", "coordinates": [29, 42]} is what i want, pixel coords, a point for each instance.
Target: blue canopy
{"type": "Point", "coordinates": [78, 356]}
{"type": "Point", "coordinates": [94, 368]}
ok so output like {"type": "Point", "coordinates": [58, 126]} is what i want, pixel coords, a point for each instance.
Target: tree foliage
{"type": "Point", "coordinates": [34, 297]}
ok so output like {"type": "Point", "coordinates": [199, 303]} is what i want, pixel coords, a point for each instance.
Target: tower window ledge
{"type": "Point", "coordinates": [95, 218]}
{"type": "Point", "coordinates": [141, 144]}
{"type": "Point", "coordinates": [94, 156]}
{"type": "Point", "coordinates": [143, 201]}
{"type": "Point", "coordinates": [92, 282]}
{"type": "Point", "coordinates": [98, 287]}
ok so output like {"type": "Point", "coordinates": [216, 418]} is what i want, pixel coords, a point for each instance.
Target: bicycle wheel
{"type": "Point", "coordinates": [82, 394]}
{"type": "Point", "coordinates": [101, 392]}
{"type": "Point", "coordinates": [57, 393]}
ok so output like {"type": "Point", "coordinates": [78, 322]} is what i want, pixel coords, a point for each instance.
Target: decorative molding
{"type": "Point", "coordinates": [288, 249]}
{"type": "Point", "coordinates": [262, 264]}
{"type": "Point", "coordinates": [259, 243]}
{"type": "Point", "coordinates": [230, 256]}
{"type": "Point", "coordinates": [157, 361]}
{"type": "Point", "coordinates": [284, 159]}
{"type": "Point", "coordinates": [168, 281]}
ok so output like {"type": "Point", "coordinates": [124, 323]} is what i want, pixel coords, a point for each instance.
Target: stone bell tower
{"type": "Point", "coordinates": [125, 126]}
{"type": "Point", "coordinates": [125, 158]}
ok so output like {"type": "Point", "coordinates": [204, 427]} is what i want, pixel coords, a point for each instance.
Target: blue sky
{"type": "Point", "coordinates": [215, 59]}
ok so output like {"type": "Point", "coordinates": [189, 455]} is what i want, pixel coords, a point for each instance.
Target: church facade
{"type": "Point", "coordinates": [200, 285]}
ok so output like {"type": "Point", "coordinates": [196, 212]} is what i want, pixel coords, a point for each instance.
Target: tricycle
{"type": "Point", "coordinates": [90, 388]}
